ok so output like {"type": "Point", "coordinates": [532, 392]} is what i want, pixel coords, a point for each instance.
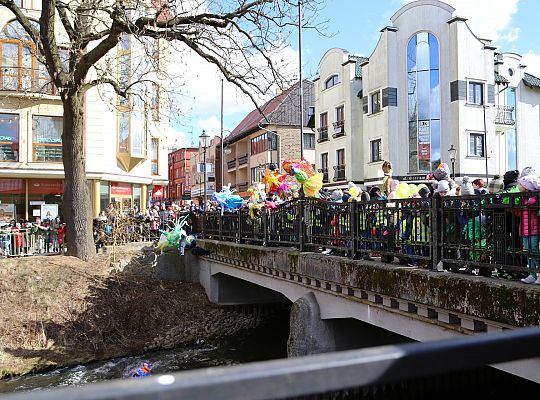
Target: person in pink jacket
{"type": "Point", "coordinates": [530, 220]}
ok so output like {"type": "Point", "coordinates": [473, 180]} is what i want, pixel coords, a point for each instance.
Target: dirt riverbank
{"type": "Point", "coordinates": [58, 310]}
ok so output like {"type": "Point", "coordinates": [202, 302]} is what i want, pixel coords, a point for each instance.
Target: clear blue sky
{"type": "Point", "coordinates": [355, 26]}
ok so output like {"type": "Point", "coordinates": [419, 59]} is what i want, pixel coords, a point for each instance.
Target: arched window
{"type": "Point", "coordinates": [424, 102]}
{"type": "Point", "coordinates": [332, 81]}
{"type": "Point", "coordinates": [20, 70]}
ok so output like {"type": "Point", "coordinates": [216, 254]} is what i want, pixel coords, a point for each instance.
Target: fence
{"type": "Point", "coordinates": [465, 233]}
{"type": "Point", "coordinates": [28, 242]}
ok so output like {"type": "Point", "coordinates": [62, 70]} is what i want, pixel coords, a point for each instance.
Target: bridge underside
{"type": "Point", "coordinates": [417, 304]}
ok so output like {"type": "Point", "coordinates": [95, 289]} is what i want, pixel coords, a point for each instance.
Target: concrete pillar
{"type": "Point", "coordinates": [96, 194]}
{"type": "Point", "coordinates": [309, 334]}
{"type": "Point", "coordinates": [144, 197]}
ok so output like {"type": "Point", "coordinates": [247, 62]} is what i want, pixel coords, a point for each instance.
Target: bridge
{"type": "Point", "coordinates": [330, 292]}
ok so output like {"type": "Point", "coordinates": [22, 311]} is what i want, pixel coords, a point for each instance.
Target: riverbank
{"type": "Point", "coordinates": [59, 311]}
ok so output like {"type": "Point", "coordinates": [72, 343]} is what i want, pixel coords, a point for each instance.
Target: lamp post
{"type": "Point", "coordinates": [203, 144]}
{"type": "Point", "coordinates": [452, 152]}
{"type": "Point", "coordinates": [225, 150]}
{"type": "Point", "coordinates": [301, 84]}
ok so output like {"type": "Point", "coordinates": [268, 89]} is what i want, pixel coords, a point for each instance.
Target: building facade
{"type": "Point", "coordinates": [125, 146]}
{"type": "Point", "coordinates": [212, 157]}
{"type": "Point", "coordinates": [270, 137]}
{"type": "Point", "coordinates": [339, 130]}
{"type": "Point", "coordinates": [431, 85]}
{"type": "Point", "coordinates": [179, 174]}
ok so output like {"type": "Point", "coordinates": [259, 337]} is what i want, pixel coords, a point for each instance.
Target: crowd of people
{"type": "Point", "coordinates": [39, 237]}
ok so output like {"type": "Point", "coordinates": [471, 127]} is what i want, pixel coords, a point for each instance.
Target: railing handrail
{"type": "Point", "coordinates": [314, 374]}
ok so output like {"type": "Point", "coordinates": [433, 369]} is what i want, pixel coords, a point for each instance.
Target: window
{"type": "Point", "coordinates": [155, 156]}
{"type": "Point", "coordinates": [340, 157]}
{"type": "Point", "coordinates": [9, 137]}
{"type": "Point", "coordinates": [424, 102]}
{"type": "Point", "coordinates": [309, 140]}
{"type": "Point", "coordinates": [123, 132]}
{"type": "Point", "coordinates": [124, 66]}
{"type": "Point", "coordinates": [375, 102]}
{"type": "Point", "coordinates": [476, 93]}
{"type": "Point", "coordinates": [340, 114]}
{"type": "Point", "coordinates": [324, 120]}
{"type": "Point", "coordinates": [376, 150]}
{"type": "Point", "coordinates": [103, 195]}
{"type": "Point", "coordinates": [264, 142]}
{"type": "Point", "coordinates": [332, 81]}
{"type": "Point", "coordinates": [21, 71]}
{"type": "Point", "coordinates": [324, 161]}
{"type": "Point", "coordinates": [476, 145]}
{"type": "Point", "coordinates": [47, 139]}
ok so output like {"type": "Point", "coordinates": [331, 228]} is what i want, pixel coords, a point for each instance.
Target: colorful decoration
{"type": "Point", "coordinates": [305, 175]}
{"type": "Point", "coordinates": [227, 200]}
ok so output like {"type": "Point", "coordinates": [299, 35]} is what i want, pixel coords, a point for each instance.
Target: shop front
{"type": "Point", "coordinates": [27, 198]}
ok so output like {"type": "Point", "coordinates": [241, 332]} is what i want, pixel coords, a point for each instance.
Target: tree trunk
{"type": "Point", "coordinates": [76, 203]}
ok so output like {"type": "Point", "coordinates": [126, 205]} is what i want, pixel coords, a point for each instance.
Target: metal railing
{"type": "Point", "coordinates": [243, 160]}
{"type": "Point", "coordinates": [465, 233]}
{"type": "Point", "coordinates": [329, 376]}
{"type": "Point", "coordinates": [324, 171]}
{"type": "Point", "coordinates": [339, 172]}
{"type": "Point", "coordinates": [323, 134]}
{"type": "Point", "coordinates": [29, 242]}
{"type": "Point", "coordinates": [504, 115]}
{"type": "Point", "coordinates": [339, 129]}
{"type": "Point", "coordinates": [231, 164]}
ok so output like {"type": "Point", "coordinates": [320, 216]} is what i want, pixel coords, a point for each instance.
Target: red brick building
{"type": "Point", "coordinates": [179, 180]}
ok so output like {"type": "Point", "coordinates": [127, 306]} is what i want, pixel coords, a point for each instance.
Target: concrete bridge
{"type": "Point", "coordinates": [339, 303]}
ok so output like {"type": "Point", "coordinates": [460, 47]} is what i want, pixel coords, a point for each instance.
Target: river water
{"type": "Point", "coordinates": [236, 350]}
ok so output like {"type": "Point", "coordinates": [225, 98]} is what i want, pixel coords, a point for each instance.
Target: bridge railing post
{"type": "Point", "coordinates": [300, 223]}
{"type": "Point", "coordinates": [436, 226]}
{"type": "Point", "coordinates": [353, 214]}
{"type": "Point", "coordinates": [265, 226]}
{"type": "Point", "coordinates": [220, 232]}
{"type": "Point", "coordinates": [240, 217]}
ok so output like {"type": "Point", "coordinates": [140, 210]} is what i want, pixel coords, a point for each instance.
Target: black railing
{"type": "Point", "coordinates": [324, 171]}
{"type": "Point", "coordinates": [339, 129]}
{"type": "Point", "coordinates": [243, 160]}
{"type": "Point", "coordinates": [339, 172]}
{"type": "Point", "coordinates": [480, 234]}
{"type": "Point", "coordinates": [323, 134]}
{"type": "Point", "coordinates": [231, 164]}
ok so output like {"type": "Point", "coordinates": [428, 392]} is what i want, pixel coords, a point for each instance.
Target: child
{"type": "Point", "coordinates": [529, 224]}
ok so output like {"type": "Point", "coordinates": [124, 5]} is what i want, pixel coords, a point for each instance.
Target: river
{"type": "Point", "coordinates": [235, 350]}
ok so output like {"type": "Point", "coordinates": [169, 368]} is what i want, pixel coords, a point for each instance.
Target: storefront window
{"type": "Point", "coordinates": [44, 191]}
{"type": "Point", "coordinates": [12, 198]}
{"type": "Point", "coordinates": [155, 155]}
{"type": "Point", "coordinates": [47, 138]}
{"type": "Point", "coordinates": [9, 137]}
{"type": "Point", "coordinates": [137, 196]}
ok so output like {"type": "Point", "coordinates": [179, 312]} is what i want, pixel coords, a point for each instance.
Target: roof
{"type": "Point", "coordinates": [500, 79]}
{"type": "Point", "coordinates": [359, 61]}
{"type": "Point", "coordinates": [281, 110]}
{"type": "Point", "coordinates": [531, 80]}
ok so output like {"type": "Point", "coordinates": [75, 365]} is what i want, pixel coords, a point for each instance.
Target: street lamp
{"type": "Point", "coordinates": [452, 152]}
{"type": "Point", "coordinates": [204, 140]}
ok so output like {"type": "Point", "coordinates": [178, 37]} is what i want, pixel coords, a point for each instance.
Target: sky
{"type": "Point", "coordinates": [355, 26]}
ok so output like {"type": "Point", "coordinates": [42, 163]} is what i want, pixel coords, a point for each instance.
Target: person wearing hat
{"type": "Point", "coordinates": [496, 185]}
{"type": "Point", "coordinates": [376, 194]}
{"type": "Point", "coordinates": [467, 188]}
{"type": "Point", "coordinates": [510, 181]}
{"type": "Point", "coordinates": [442, 189]}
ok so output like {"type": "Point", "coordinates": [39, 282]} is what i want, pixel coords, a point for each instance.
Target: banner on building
{"type": "Point", "coordinates": [121, 189]}
{"type": "Point", "coordinates": [45, 186]}
{"type": "Point", "coordinates": [12, 186]}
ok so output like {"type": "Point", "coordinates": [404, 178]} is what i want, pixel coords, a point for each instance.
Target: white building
{"type": "Point", "coordinates": [125, 143]}
{"type": "Point", "coordinates": [431, 84]}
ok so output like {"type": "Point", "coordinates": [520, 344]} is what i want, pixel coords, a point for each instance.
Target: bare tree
{"type": "Point", "coordinates": [240, 37]}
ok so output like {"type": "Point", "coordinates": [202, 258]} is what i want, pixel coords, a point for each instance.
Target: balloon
{"type": "Point", "coordinates": [312, 185]}
{"type": "Point", "coordinates": [412, 189]}
{"type": "Point", "coordinates": [354, 190]}
{"type": "Point", "coordinates": [402, 191]}
{"type": "Point", "coordinates": [301, 176]}
{"type": "Point", "coordinates": [227, 200]}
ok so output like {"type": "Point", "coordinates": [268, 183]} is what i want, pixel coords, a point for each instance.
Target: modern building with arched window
{"type": "Point", "coordinates": [429, 85]}
{"type": "Point", "coordinates": [125, 138]}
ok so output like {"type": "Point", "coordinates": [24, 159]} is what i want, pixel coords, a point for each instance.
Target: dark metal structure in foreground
{"type": "Point", "coordinates": [332, 375]}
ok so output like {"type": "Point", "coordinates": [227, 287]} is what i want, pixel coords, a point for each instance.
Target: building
{"type": "Point", "coordinates": [431, 85]}
{"type": "Point", "coordinates": [269, 135]}
{"type": "Point", "coordinates": [125, 146]}
{"type": "Point", "coordinates": [212, 156]}
{"type": "Point", "coordinates": [179, 174]}
{"type": "Point", "coordinates": [339, 130]}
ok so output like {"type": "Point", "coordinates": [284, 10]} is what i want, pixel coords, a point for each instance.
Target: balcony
{"type": "Point", "coordinates": [243, 187]}
{"type": "Point", "coordinates": [339, 173]}
{"type": "Point", "coordinates": [504, 115]}
{"type": "Point", "coordinates": [243, 160]}
{"type": "Point", "coordinates": [324, 171]}
{"type": "Point", "coordinates": [231, 164]}
{"type": "Point", "coordinates": [339, 129]}
{"type": "Point", "coordinates": [26, 80]}
{"type": "Point", "coordinates": [323, 134]}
